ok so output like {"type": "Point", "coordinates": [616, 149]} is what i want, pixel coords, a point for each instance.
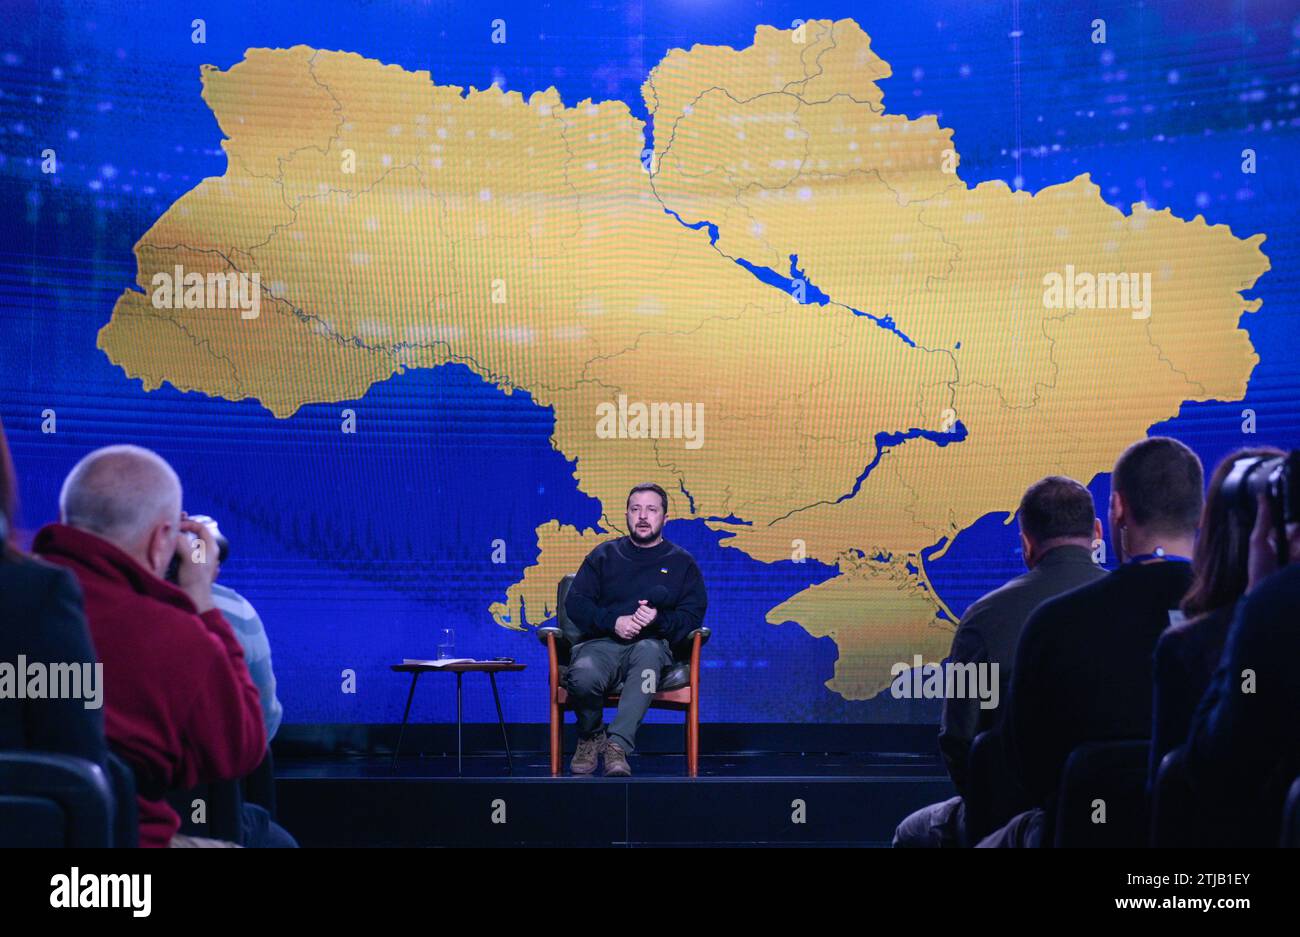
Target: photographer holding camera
{"type": "Point", "coordinates": [180, 707]}
{"type": "Point", "coordinates": [1243, 749]}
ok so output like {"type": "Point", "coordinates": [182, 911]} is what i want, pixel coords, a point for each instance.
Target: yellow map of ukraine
{"type": "Point", "coordinates": [396, 223]}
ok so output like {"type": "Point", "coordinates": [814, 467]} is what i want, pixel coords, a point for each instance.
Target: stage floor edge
{"type": "Point", "coordinates": [787, 799]}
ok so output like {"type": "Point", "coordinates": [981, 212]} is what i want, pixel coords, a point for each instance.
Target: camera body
{"type": "Point", "coordinates": [1278, 479]}
{"type": "Point", "coordinates": [223, 545]}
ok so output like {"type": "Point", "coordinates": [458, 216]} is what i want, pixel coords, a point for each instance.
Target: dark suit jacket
{"type": "Point", "coordinates": [988, 634]}
{"type": "Point", "coordinates": [1084, 670]}
{"type": "Point", "coordinates": [41, 618]}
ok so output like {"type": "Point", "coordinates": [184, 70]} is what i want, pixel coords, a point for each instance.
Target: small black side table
{"type": "Point", "coordinates": [489, 667]}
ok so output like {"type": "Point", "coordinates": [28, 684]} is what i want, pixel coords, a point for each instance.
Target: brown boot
{"type": "Point", "coordinates": [616, 765]}
{"type": "Point", "coordinates": [587, 756]}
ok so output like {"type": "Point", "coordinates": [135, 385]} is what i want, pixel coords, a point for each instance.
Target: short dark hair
{"type": "Point", "coordinates": [1163, 484]}
{"type": "Point", "coordinates": [650, 486]}
{"type": "Point", "coordinates": [1057, 506]}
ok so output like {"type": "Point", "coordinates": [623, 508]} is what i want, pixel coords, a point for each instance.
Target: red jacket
{"type": "Point", "coordinates": [179, 705]}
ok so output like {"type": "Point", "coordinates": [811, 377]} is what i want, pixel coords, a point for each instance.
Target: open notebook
{"type": "Point", "coordinates": [439, 663]}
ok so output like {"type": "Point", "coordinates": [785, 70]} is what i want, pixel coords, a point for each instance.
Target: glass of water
{"type": "Point", "coordinates": [447, 644]}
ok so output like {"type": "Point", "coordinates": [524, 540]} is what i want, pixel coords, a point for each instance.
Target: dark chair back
{"type": "Point", "coordinates": [1291, 818]}
{"type": "Point", "coordinates": [49, 800]}
{"type": "Point", "coordinates": [994, 794]}
{"type": "Point", "coordinates": [1176, 821]}
{"type": "Point", "coordinates": [1180, 819]}
{"type": "Point", "coordinates": [126, 814]}
{"type": "Point", "coordinates": [1102, 798]}
{"type": "Point", "coordinates": [570, 631]}
{"type": "Point", "coordinates": [259, 787]}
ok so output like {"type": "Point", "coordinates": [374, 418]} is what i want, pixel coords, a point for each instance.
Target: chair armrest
{"type": "Point", "coordinates": [558, 646]}
{"type": "Point", "coordinates": [553, 637]}
{"type": "Point", "coordinates": [698, 637]}
{"type": "Point", "coordinates": [702, 632]}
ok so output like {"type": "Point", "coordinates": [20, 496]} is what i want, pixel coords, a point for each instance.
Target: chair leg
{"type": "Point", "coordinates": [693, 738]}
{"type": "Point", "coordinates": [693, 708]}
{"type": "Point", "coordinates": [557, 729]}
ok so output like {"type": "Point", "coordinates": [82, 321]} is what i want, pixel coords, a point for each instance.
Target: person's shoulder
{"type": "Point", "coordinates": [25, 567]}
{"type": "Point", "coordinates": [232, 603]}
{"type": "Point", "coordinates": [1044, 624]}
{"type": "Point", "coordinates": [1285, 582]}
{"type": "Point", "coordinates": [1014, 590]}
{"type": "Point", "coordinates": [31, 581]}
{"type": "Point", "coordinates": [985, 610]}
{"type": "Point", "coordinates": [1278, 594]}
{"type": "Point", "coordinates": [680, 552]}
{"type": "Point", "coordinates": [1085, 595]}
{"type": "Point", "coordinates": [606, 548]}
{"type": "Point", "coordinates": [990, 601]}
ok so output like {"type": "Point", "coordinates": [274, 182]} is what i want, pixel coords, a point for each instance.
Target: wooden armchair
{"type": "Point", "coordinates": [679, 684]}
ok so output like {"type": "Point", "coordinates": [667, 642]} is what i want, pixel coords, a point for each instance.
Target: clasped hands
{"type": "Point", "coordinates": [628, 627]}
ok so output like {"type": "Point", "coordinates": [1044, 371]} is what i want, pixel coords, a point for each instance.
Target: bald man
{"type": "Point", "coordinates": [179, 705]}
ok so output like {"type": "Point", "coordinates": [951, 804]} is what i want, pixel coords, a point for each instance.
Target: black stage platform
{"type": "Point", "coordinates": [851, 799]}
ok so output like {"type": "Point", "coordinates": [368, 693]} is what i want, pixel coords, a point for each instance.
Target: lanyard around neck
{"type": "Point", "coordinates": [1159, 554]}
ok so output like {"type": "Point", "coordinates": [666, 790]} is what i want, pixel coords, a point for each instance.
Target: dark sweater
{"type": "Point", "coordinates": [1083, 670]}
{"type": "Point", "coordinates": [1243, 748]}
{"type": "Point", "coordinates": [988, 634]}
{"type": "Point", "coordinates": [618, 573]}
{"type": "Point", "coordinates": [41, 618]}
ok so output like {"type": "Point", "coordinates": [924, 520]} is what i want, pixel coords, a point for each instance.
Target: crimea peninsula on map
{"type": "Point", "coordinates": [866, 336]}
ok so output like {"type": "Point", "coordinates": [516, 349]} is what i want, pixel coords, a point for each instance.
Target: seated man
{"type": "Point", "coordinates": [1084, 662]}
{"type": "Point", "coordinates": [248, 628]}
{"type": "Point", "coordinates": [180, 707]}
{"type": "Point", "coordinates": [1058, 524]}
{"type": "Point", "coordinates": [1243, 750]}
{"type": "Point", "coordinates": [633, 598]}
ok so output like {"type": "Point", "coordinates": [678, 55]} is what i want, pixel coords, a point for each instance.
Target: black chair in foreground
{"type": "Point", "coordinates": [1174, 820]}
{"type": "Point", "coordinates": [994, 795]}
{"type": "Point", "coordinates": [1291, 818]}
{"type": "Point", "coordinates": [1180, 819]}
{"type": "Point", "coordinates": [1102, 800]}
{"type": "Point", "coordinates": [126, 815]}
{"type": "Point", "coordinates": [679, 684]}
{"type": "Point", "coordinates": [259, 787]}
{"type": "Point", "coordinates": [49, 800]}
